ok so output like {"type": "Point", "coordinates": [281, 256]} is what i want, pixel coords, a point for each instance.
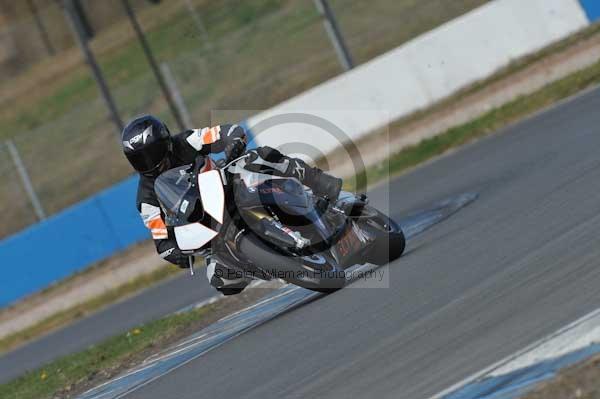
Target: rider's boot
{"type": "Point", "coordinates": [322, 184]}
{"type": "Point", "coordinates": [325, 185]}
{"type": "Point", "coordinates": [224, 279]}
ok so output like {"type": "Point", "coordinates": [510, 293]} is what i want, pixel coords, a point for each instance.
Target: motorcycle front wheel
{"type": "Point", "coordinates": [314, 273]}
{"type": "Point", "coordinates": [389, 243]}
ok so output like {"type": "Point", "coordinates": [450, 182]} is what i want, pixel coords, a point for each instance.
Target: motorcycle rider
{"type": "Point", "coordinates": [152, 150]}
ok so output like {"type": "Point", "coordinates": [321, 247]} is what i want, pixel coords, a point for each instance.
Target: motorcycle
{"type": "Point", "coordinates": [266, 226]}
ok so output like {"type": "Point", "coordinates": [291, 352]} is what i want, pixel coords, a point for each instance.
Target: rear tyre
{"type": "Point", "coordinates": [315, 274]}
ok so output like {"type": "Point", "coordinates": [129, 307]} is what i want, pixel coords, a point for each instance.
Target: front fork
{"type": "Point", "coordinates": [191, 263]}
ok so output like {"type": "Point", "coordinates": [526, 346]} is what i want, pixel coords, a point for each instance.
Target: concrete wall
{"type": "Point", "coordinates": [424, 70]}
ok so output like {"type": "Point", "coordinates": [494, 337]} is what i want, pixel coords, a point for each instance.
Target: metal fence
{"type": "Point", "coordinates": [218, 55]}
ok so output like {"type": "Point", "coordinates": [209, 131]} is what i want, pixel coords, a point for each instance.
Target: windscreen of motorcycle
{"type": "Point", "coordinates": [212, 194]}
{"type": "Point", "coordinates": [194, 236]}
{"type": "Point", "coordinates": [188, 203]}
{"type": "Point", "coordinates": [172, 188]}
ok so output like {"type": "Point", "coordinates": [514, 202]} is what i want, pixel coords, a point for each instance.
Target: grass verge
{"type": "Point", "coordinates": [67, 316]}
{"type": "Point", "coordinates": [581, 381]}
{"type": "Point", "coordinates": [61, 377]}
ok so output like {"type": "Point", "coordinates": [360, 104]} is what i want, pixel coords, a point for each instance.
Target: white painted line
{"type": "Point", "coordinates": [262, 302]}
{"type": "Point", "coordinates": [218, 297]}
{"type": "Point", "coordinates": [149, 381]}
{"type": "Point", "coordinates": [200, 304]}
{"type": "Point", "coordinates": [577, 335]}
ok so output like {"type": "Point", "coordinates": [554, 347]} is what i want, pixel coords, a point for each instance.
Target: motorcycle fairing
{"type": "Point", "coordinates": [193, 236]}
{"type": "Point", "coordinates": [186, 203]}
{"type": "Point", "coordinates": [212, 194]}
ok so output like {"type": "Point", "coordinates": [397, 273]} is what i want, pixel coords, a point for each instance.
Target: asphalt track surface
{"type": "Point", "coordinates": [517, 264]}
{"type": "Point", "coordinates": [152, 303]}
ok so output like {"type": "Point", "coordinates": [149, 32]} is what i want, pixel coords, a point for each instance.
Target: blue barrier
{"type": "Point", "coordinates": [70, 241]}
{"type": "Point", "coordinates": [592, 9]}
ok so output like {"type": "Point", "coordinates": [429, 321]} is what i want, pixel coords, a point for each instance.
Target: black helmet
{"type": "Point", "coordinates": [147, 144]}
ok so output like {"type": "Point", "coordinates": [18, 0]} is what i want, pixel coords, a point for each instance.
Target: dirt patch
{"type": "Point", "coordinates": [581, 381]}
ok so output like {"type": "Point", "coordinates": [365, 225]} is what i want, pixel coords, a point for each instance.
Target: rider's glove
{"type": "Point", "coordinates": [175, 257]}
{"type": "Point", "coordinates": [235, 148]}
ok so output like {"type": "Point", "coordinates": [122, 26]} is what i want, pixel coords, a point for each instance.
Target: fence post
{"type": "Point", "coordinates": [334, 33]}
{"type": "Point", "coordinates": [176, 93]}
{"type": "Point", "coordinates": [152, 61]}
{"type": "Point", "coordinates": [35, 201]}
{"type": "Point", "coordinates": [41, 27]}
{"type": "Point", "coordinates": [80, 37]}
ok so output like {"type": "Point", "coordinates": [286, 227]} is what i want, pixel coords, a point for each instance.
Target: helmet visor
{"type": "Point", "coordinates": [149, 158]}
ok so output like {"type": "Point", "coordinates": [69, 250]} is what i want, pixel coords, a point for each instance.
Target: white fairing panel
{"type": "Point", "coordinates": [193, 236]}
{"type": "Point", "coordinates": [212, 194]}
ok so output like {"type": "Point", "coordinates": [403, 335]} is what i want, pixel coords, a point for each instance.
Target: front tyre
{"type": "Point", "coordinates": [389, 243]}
{"type": "Point", "coordinates": [315, 274]}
